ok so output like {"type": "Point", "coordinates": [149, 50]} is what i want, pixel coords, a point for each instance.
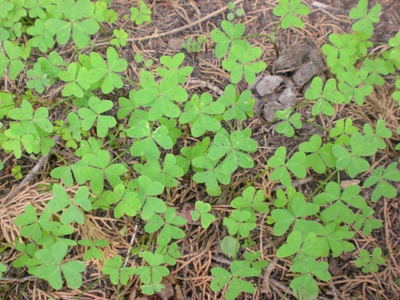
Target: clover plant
{"type": "Point", "coordinates": [202, 139]}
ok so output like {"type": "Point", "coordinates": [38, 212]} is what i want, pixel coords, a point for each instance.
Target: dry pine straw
{"type": "Point", "coordinates": [200, 247]}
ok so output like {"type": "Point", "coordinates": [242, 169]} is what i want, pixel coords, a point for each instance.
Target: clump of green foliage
{"type": "Point", "coordinates": [159, 114]}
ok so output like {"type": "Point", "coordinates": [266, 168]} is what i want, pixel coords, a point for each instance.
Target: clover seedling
{"type": "Point", "coordinates": [191, 45]}
{"type": "Point", "coordinates": [239, 107]}
{"type": "Point", "coordinates": [50, 267]}
{"type": "Point", "coordinates": [94, 251]}
{"type": "Point", "coordinates": [281, 169]}
{"type": "Point", "coordinates": [224, 41]}
{"type": "Point", "coordinates": [367, 19]}
{"type": "Point", "coordinates": [199, 111]}
{"type": "Point", "coordinates": [324, 97]}
{"type": "Point", "coordinates": [80, 23]}
{"type": "Point", "coordinates": [286, 127]}
{"type": "Point", "coordinates": [120, 38]}
{"type": "Point", "coordinates": [118, 274]}
{"type": "Point", "coordinates": [236, 147]}
{"type": "Point", "coordinates": [369, 263]}
{"type": "Point", "coordinates": [338, 211]}
{"type": "Point", "coordinates": [141, 15]}
{"type": "Point", "coordinates": [320, 157]}
{"type": "Point", "coordinates": [240, 62]}
{"type": "Point", "coordinates": [93, 115]}
{"type": "Point", "coordinates": [289, 9]}
{"type": "Point", "coordinates": [202, 212]}
{"type": "Point", "coordinates": [238, 270]}
{"type": "Point", "coordinates": [107, 73]}
{"type": "Point", "coordinates": [152, 275]}
{"type": "Point", "coordinates": [381, 178]}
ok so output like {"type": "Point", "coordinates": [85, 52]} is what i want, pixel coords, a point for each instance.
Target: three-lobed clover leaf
{"type": "Point", "coordinates": [141, 15]}
{"type": "Point", "coordinates": [370, 263]}
{"type": "Point", "coordinates": [71, 209]}
{"type": "Point", "coordinates": [366, 222]}
{"type": "Point", "coordinates": [381, 177]}
{"type": "Point", "coordinates": [199, 111]}
{"type": "Point", "coordinates": [171, 228]}
{"type": "Point", "coordinates": [107, 73]}
{"type": "Point", "coordinates": [289, 121]}
{"type": "Point", "coordinates": [42, 37]}
{"type": "Point", "coordinates": [240, 62]}
{"type": "Point", "coordinates": [320, 157]}
{"type": "Point", "coordinates": [118, 274]}
{"type": "Point", "coordinates": [51, 267]}
{"type": "Point", "coordinates": [120, 38]}
{"type": "Point", "coordinates": [295, 164]}
{"type": "Point", "coordinates": [160, 97]}
{"type": "Point", "coordinates": [172, 64]}
{"type": "Point", "coordinates": [338, 211]}
{"type": "Point", "coordinates": [238, 270]}
{"type": "Point", "coordinates": [93, 251]}
{"type": "Point", "coordinates": [152, 274]}
{"type": "Point", "coordinates": [236, 147]}
{"type": "Point", "coordinates": [239, 107]}
{"type": "Point", "coordinates": [79, 22]}
{"type": "Point", "coordinates": [77, 78]}
{"type": "Point", "coordinates": [367, 19]}
{"type": "Point", "coordinates": [251, 200]}
{"type": "Point", "coordinates": [289, 9]}
{"type": "Point", "coordinates": [11, 60]}
{"type": "Point", "coordinates": [240, 222]}
{"type": "Point", "coordinates": [93, 115]}
{"type": "Point", "coordinates": [209, 173]}
{"type": "Point", "coordinates": [324, 97]}
{"type": "Point", "coordinates": [224, 41]}
{"type": "Point", "coordinates": [202, 212]}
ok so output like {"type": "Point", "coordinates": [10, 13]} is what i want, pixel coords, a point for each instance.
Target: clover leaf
{"type": "Point", "coordinates": [289, 9]}
{"type": "Point", "coordinates": [381, 178]}
{"type": "Point", "coordinates": [286, 127]}
{"type": "Point", "coordinates": [10, 59]}
{"type": "Point", "coordinates": [201, 212]}
{"type": "Point", "coordinates": [173, 63]}
{"type": "Point", "coordinates": [369, 263]}
{"type": "Point", "coordinates": [199, 111]}
{"type": "Point", "coordinates": [93, 115]}
{"type": "Point", "coordinates": [236, 147]}
{"type": "Point", "coordinates": [224, 41]}
{"type": "Point", "coordinates": [160, 97]}
{"type": "Point", "coordinates": [118, 274]}
{"type": "Point", "coordinates": [240, 62]}
{"type": "Point", "coordinates": [51, 267]}
{"type": "Point", "coordinates": [365, 24]}
{"type": "Point", "coordinates": [240, 106]}
{"type": "Point", "coordinates": [93, 251]}
{"type": "Point", "coordinates": [339, 212]}
{"type": "Point", "coordinates": [141, 15]}
{"type": "Point", "coordinates": [281, 169]}
{"type": "Point", "coordinates": [324, 98]}
{"type": "Point", "coordinates": [320, 157]}
{"type": "Point", "coordinates": [210, 174]}
{"type": "Point", "coordinates": [152, 275]}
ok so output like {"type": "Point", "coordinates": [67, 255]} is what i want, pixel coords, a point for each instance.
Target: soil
{"type": "Point", "coordinates": [190, 278]}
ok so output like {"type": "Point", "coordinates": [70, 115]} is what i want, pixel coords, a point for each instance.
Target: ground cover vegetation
{"type": "Point", "coordinates": [173, 136]}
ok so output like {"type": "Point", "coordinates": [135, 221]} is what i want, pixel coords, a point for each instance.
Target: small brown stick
{"type": "Point", "coordinates": [177, 29]}
{"type": "Point", "coordinates": [197, 82]}
{"type": "Point", "coordinates": [295, 183]}
{"type": "Point", "coordinates": [30, 176]}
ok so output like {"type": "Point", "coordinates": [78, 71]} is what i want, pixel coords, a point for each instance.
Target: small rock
{"type": "Point", "coordinates": [176, 43]}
